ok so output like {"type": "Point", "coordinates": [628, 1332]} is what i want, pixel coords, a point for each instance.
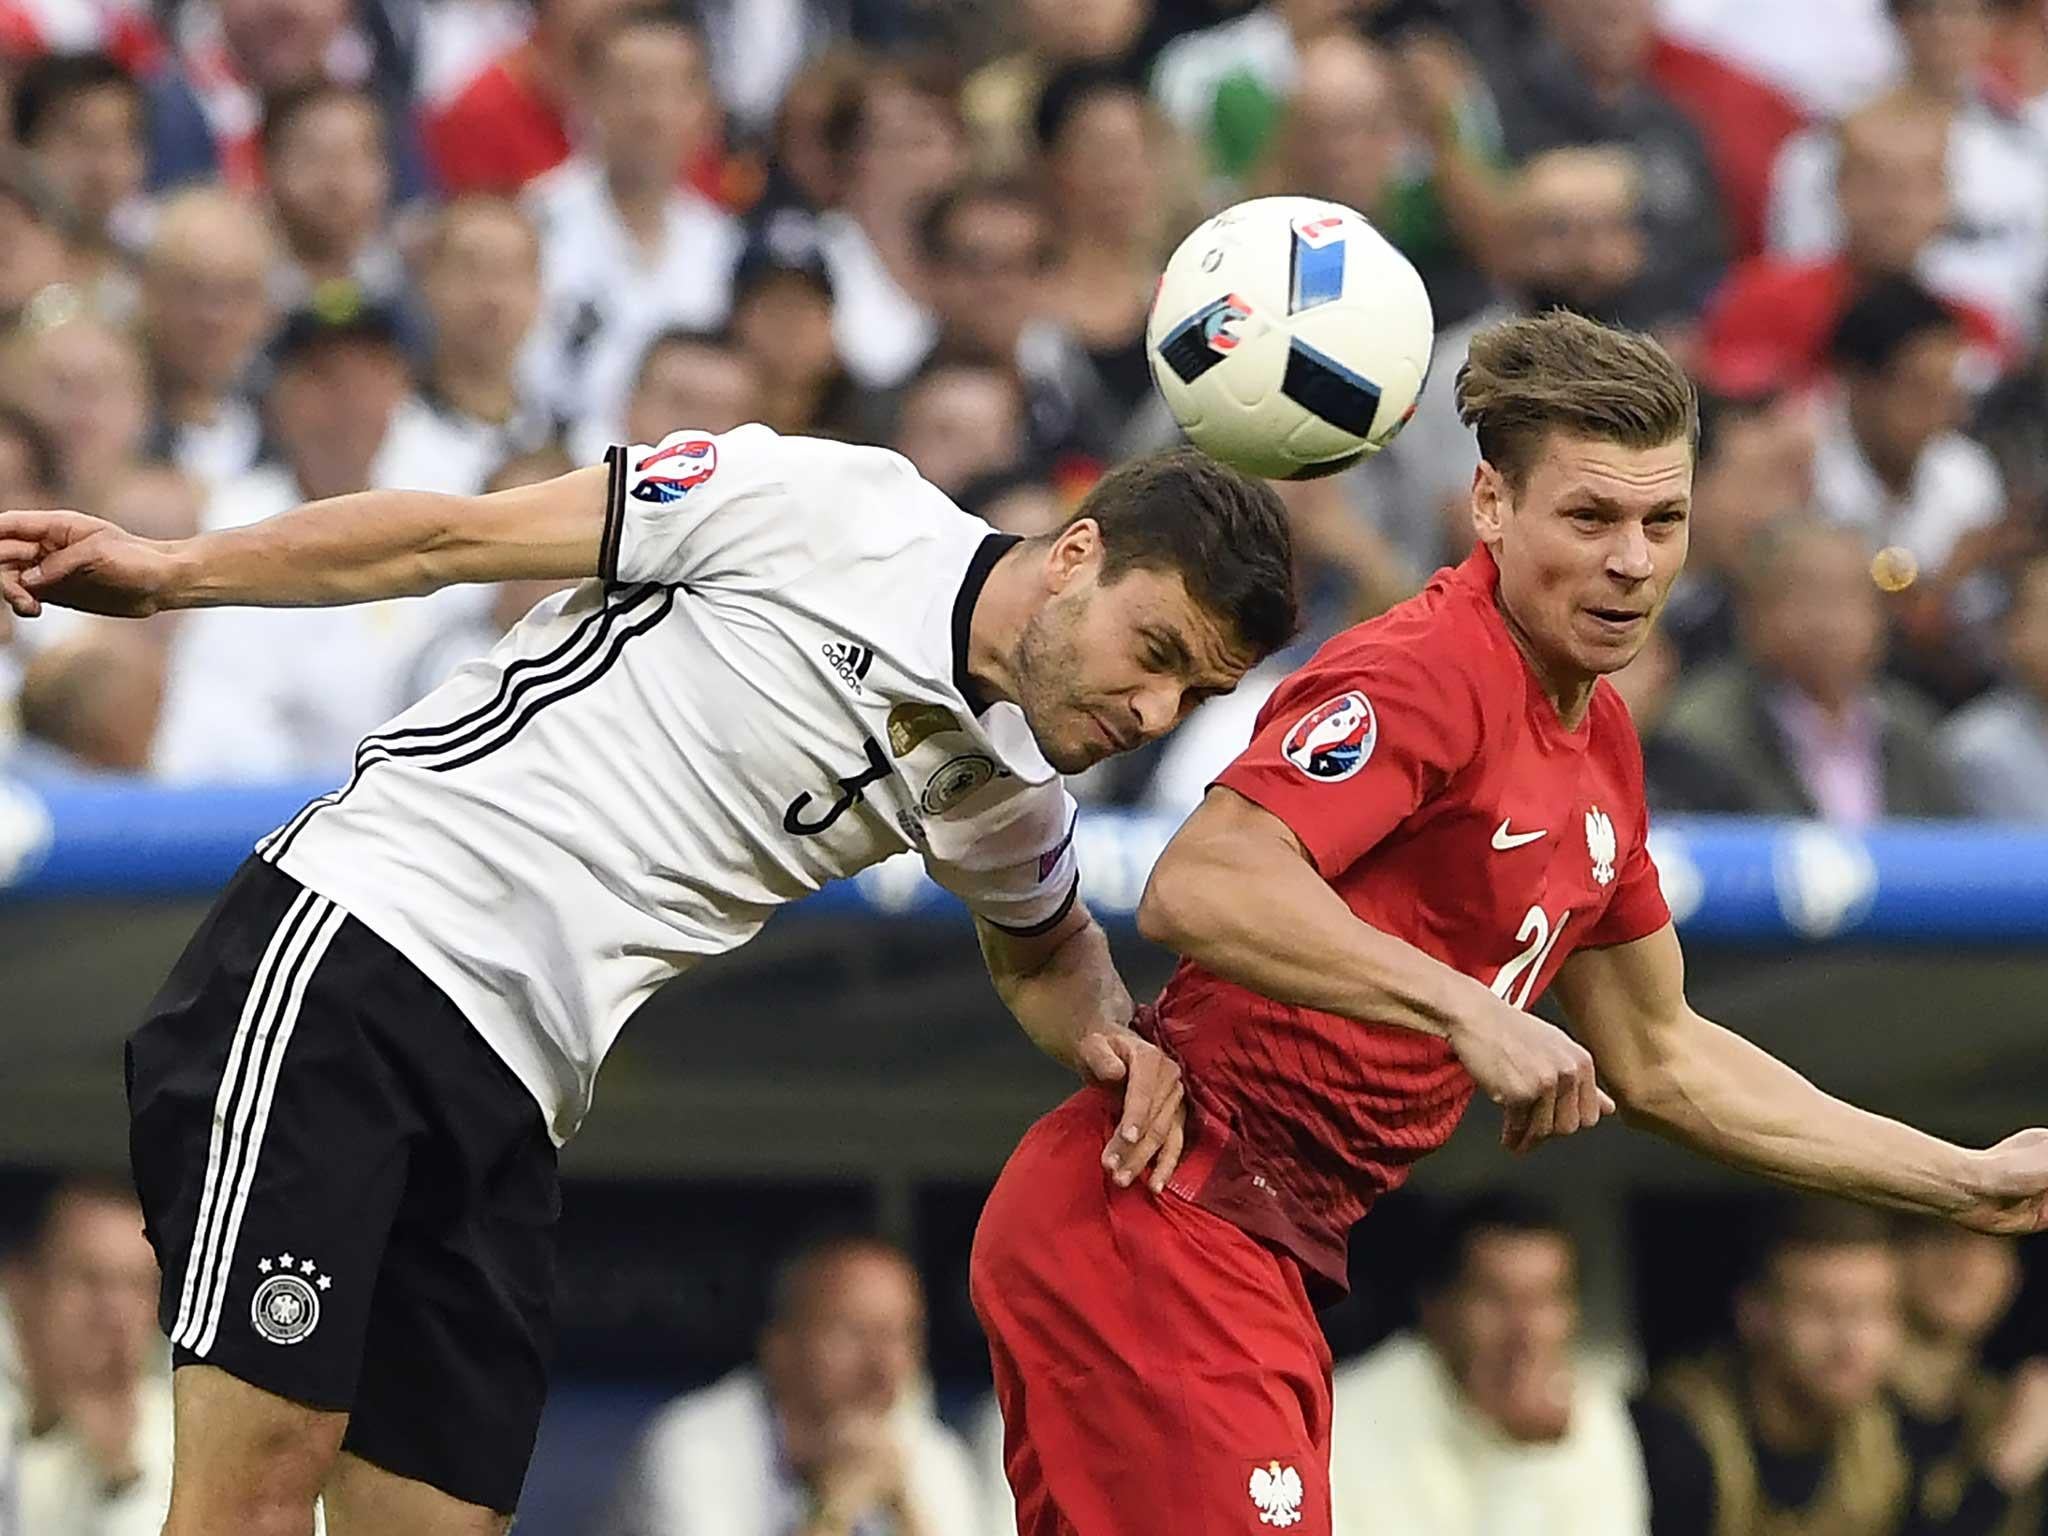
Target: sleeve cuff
{"type": "Point", "coordinates": [1036, 929]}
{"type": "Point", "coordinates": [614, 515]}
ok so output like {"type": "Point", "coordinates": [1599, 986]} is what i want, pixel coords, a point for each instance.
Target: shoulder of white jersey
{"type": "Point", "coordinates": [794, 463]}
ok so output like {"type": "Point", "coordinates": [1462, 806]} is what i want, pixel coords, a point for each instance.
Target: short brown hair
{"type": "Point", "coordinates": [1801, 1223]}
{"type": "Point", "coordinates": [1224, 532]}
{"type": "Point", "coordinates": [1525, 378]}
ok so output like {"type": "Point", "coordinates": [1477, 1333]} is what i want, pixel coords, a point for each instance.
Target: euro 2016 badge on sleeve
{"type": "Point", "coordinates": [1333, 741]}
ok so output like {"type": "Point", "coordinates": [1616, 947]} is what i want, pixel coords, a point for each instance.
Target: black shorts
{"type": "Point", "coordinates": [352, 1197]}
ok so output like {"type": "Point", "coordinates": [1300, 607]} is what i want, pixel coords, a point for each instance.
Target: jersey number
{"type": "Point", "coordinates": [1540, 938]}
{"type": "Point", "coordinates": [850, 792]}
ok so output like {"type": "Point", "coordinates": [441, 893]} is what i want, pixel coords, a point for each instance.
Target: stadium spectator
{"type": "Point", "coordinates": [1755, 466]}
{"type": "Point", "coordinates": [86, 382]}
{"type": "Point", "coordinates": [1770, 323]}
{"type": "Point", "coordinates": [259, 694]}
{"type": "Point", "coordinates": [805, 171]}
{"type": "Point", "coordinates": [625, 252]}
{"type": "Point", "coordinates": [1792, 1430]}
{"type": "Point", "coordinates": [1110, 184]}
{"type": "Point", "coordinates": [324, 160]}
{"type": "Point", "coordinates": [827, 1435]}
{"type": "Point", "coordinates": [1016, 500]}
{"type": "Point", "coordinates": [1411, 141]}
{"type": "Point", "coordinates": [985, 246]}
{"type": "Point", "coordinates": [205, 311]}
{"type": "Point", "coordinates": [479, 283]}
{"type": "Point", "coordinates": [234, 57]}
{"type": "Point", "coordinates": [90, 704]}
{"type": "Point", "coordinates": [1997, 746]}
{"type": "Point", "coordinates": [1979, 1443]}
{"type": "Point", "coordinates": [782, 320]}
{"type": "Point", "coordinates": [35, 238]}
{"type": "Point", "coordinates": [1576, 241]}
{"type": "Point", "coordinates": [998, 99]}
{"type": "Point", "coordinates": [1802, 722]}
{"type": "Point", "coordinates": [512, 122]}
{"type": "Point", "coordinates": [902, 143]}
{"type": "Point", "coordinates": [1588, 81]}
{"type": "Point", "coordinates": [1484, 1421]}
{"type": "Point", "coordinates": [1226, 86]}
{"type": "Point", "coordinates": [1994, 249]}
{"type": "Point", "coordinates": [80, 118]}
{"type": "Point", "coordinates": [1675, 776]}
{"type": "Point", "coordinates": [1892, 462]}
{"type": "Point", "coordinates": [693, 379]}
{"type": "Point", "coordinates": [959, 422]}
{"type": "Point", "coordinates": [97, 1460]}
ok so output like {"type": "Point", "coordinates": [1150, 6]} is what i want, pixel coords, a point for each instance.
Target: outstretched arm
{"type": "Point", "coordinates": [1063, 987]}
{"type": "Point", "coordinates": [1706, 1087]}
{"type": "Point", "coordinates": [350, 549]}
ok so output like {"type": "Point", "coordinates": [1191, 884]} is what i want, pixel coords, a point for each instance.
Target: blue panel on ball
{"type": "Point", "coordinates": [1324, 387]}
{"type": "Point", "coordinates": [1317, 272]}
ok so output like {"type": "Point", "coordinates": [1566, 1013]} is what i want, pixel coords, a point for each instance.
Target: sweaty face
{"type": "Point", "coordinates": [1103, 668]}
{"type": "Point", "coordinates": [1588, 549]}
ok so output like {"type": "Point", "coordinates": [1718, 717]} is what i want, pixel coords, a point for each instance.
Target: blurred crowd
{"type": "Point", "coordinates": [1846, 1392]}
{"type": "Point", "coordinates": [255, 252]}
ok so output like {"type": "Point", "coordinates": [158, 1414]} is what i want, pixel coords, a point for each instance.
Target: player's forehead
{"type": "Point", "coordinates": [1572, 468]}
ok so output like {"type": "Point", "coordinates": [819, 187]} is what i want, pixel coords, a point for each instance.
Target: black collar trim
{"type": "Point", "coordinates": [991, 549]}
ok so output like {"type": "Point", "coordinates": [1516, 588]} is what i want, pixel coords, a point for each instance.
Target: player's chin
{"type": "Point", "coordinates": [1070, 756]}
{"type": "Point", "coordinates": [1607, 643]}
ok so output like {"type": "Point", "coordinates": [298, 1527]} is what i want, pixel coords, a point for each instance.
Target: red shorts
{"type": "Point", "coordinates": [1159, 1371]}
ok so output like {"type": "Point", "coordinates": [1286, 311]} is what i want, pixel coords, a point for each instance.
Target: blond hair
{"type": "Point", "coordinates": [1523, 379]}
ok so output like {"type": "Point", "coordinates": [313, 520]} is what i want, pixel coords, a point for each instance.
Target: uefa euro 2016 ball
{"type": "Point", "coordinates": [1289, 338]}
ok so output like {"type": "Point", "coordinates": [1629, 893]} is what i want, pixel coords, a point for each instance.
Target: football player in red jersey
{"type": "Point", "coordinates": [1439, 815]}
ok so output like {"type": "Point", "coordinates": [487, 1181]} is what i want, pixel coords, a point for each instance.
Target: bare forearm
{"type": "Point", "coordinates": [378, 544]}
{"type": "Point", "coordinates": [1075, 992]}
{"type": "Point", "coordinates": [1724, 1097]}
{"type": "Point", "coordinates": [349, 549]}
{"type": "Point", "coordinates": [1259, 915]}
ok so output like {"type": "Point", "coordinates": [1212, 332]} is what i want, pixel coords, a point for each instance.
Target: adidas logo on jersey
{"type": "Point", "coordinates": [850, 661]}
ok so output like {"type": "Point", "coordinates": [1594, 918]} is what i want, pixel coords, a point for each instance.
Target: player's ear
{"type": "Point", "coordinates": [1489, 502]}
{"type": "Point", "coordinates": [1075, 548]}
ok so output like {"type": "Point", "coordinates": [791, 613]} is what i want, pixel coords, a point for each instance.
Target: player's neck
{"type": "Point", "coordinates": [1570, 692]}
{"type": "Point", "coordinates": [1000, 613]}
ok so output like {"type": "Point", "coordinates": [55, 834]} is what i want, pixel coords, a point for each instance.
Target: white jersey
{"type": "Point", "coordinates": [766, 692]}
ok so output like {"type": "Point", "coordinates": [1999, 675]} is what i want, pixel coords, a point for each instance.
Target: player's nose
{"type": "Point", "coordinates": [1156, 710]}
{"type": "Point", "coordinates": [1629, 555]}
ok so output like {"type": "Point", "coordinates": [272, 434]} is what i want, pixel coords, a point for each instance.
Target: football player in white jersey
{"type": "Point", "coordinates": [788, 660]}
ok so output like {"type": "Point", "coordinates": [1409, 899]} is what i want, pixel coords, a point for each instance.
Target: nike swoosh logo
{"type": "Point", "coordinates": [1504, 839]}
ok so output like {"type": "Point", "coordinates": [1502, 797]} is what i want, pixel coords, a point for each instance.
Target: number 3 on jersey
{"type": "Point", "coordinates": [1539, 936]}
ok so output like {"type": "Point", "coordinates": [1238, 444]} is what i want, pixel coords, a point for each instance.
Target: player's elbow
{"type": "Point", "coordinates": [1168, 912]}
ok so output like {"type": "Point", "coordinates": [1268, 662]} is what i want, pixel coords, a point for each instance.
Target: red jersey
{"type": "Point", "coordinates": [1438, 792]}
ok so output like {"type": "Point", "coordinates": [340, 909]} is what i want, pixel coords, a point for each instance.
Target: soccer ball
{"type": "Point", "coordinates": [1289, 338]}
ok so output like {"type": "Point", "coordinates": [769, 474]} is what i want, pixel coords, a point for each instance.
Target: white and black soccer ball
{"type": "Point", "coordinates": [1289, 337]}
